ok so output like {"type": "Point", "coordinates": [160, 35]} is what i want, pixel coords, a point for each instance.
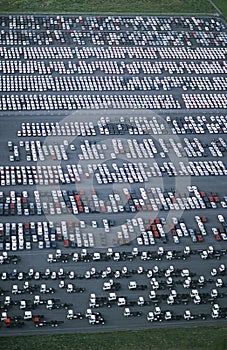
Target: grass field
{"type": "Point", "coordinates": [197, 338]}
{"type": "Point", "coordinates": [89, 6]}
{"type": "Point", "coordinates": [222, 5]}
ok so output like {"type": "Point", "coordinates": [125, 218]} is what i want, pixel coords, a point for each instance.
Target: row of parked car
{"type": "Point", "coordinates": [42, 83]}
{"type": "Point", "coordinates": [113, 38]}
{"type": "Point", "coordinates": [149, 148]}
{"type": "Point", "coordinates": [124, 172]}
{"type": "Point", "coordinates": [132, 172]}
{"type": "Point", "coordinates": [74, 237]}
{"type": "Point", "coordinates": [35, 150]}
{"type": "Point", "coordinates": [76, 202]}
{"type": "Point", "coordinates": [178, 229]}
{"type": "Point", "coordinates": [111, 52]}
{"type": "Point", "coordinates": [57, 129]}
{"type": "Point", "coordinates": [133, 126]}
{"type": "Point", "coordinates": [198, 125]}
{"type": "Point", "coordinates": [157, 23]}
{"type": "Point", "coordinates": [172, 38]}
{"type": "Point", "coordinates": [33, 175]}
{"type": "Point", "coordinates": [112, 67]}
{"type": "Point", "coordinates": [73, 102]}
{"type": "Point", "coordinates": [79, 201]}
{"type": "Point", "coordinates": [105, 173]}
{"type": "Point", "coordinates": [14, 236]}
{"type": "Point", "coordinates": [112, 31]}
{"type": "Point", "coordinates": [204, 101]}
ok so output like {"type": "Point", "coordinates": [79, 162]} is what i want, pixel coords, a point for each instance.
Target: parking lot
{"type": "Point", "coordinates": [112, 173]}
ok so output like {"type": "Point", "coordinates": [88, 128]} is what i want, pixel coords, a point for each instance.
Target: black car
{"type": "Point", "coordinates": [53, 245]}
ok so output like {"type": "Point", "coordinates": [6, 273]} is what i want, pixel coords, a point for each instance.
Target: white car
{"type": "Point", "coordinates": [14, 246]}
{"type": "Point", "coordinates": [7, 246]}
{"type": "Point", "coordinates": [221, 218]}
{"type": "Point", "coordinates": [176, 239]}
{"type": "Point", "coordinates": [106, 225]}
{"type": "Point", "coordinates": [139, 241]}
{"type": "Point", "coordinates": [94, 224]}
{"type": "Point", "coordinates": [41, 245]}
{"type": "Point", "coordinates": [28, 245]}
{"type": "Point", "coordinates": [223, 204]}
{"type": "Point", "coordinates": [132, 285]}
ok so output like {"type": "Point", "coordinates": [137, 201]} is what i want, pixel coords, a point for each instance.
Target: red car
{"type": "Point", "coordinates": [217, 237]}
{"type": "Point", "coordinates": [203, 218]}
{"type": "Point", "coordinates": [156, 234]}
{"type": "Point", "coordinates": [157, 220]}
{"type": "Point", "coordinates": [66, 243]}
{"type": "Point", "coordinates": [199, 238]}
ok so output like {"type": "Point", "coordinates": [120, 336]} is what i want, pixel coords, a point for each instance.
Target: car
{"type": "Point", "coordinates": [82, 224]}
{"type": "Point", "coordinates": [106, 225]}
{"type": "Point", "coordinates": [221, 218]}
{"type": "Point", "coordinates": [7, 246]}
{"type": "Point", "coordinates": [223, 236]}
{"type": "Point", "coordinates": [28, 245]}
{"type": "Point", "coordinates": [176, 239]}
{"type": "Point", "coordinates": [217, 237]}
{"type": "Point", "coordinates": [199, 238]}
{"type": "Point", "coordinates": [139, 241]}
{"type": "Point", "coordinates": [214, 230]}
{"type": "Point", "coordinates": [41, 244]}
{"type": "Point", "coordinates": [94, 224]}
{"type": "Point", "coordinates": [223, 204]}
{"type": "Point", "coordinates": [203, 218]}
{"type": "Point", "coordinates": [213, 205]}
{"type": "Point", "coordinates": [14, 246]}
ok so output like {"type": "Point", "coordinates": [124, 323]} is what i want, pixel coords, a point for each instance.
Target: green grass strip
{"type": "Point", "coordinates": [114, 6]}
{"type": "Point", "coordinates": [194, 338]}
